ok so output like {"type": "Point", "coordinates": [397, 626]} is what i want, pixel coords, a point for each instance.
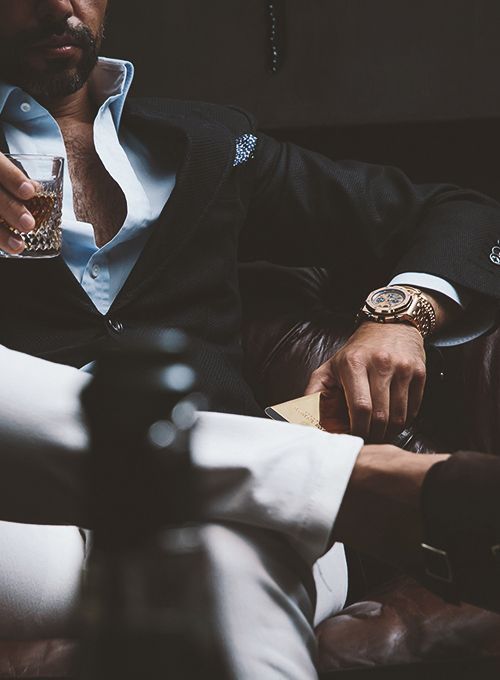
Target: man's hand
{"type": "Point", "coordinates": [381, 510]}
{"type": "Point", "coordinates": [14, 189]}
{"type": "Point", "coordinates": [381, 370]}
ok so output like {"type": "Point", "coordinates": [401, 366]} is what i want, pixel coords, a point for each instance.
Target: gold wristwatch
{"type": "Point", "coordinates": [400, 304]}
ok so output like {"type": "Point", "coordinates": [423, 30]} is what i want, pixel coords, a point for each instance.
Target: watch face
{"type": "Point", "coordinates": [388, 300]}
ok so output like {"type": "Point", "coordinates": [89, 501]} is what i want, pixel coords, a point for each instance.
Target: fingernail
{"type": "Point", "coordinates": [26, 222]}
{"type": "Point", "coordinates": [26, 190]}
{"type": "Point", "coordinates": [15, 242]}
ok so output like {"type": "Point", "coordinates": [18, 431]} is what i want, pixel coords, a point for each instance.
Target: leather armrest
{"type": "Point", "coordinates": [37, 658]}
{"type": "Point", "coordinates": [404, 623]}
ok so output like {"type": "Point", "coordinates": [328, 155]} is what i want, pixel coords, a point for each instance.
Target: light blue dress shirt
{"type": "Point", "coordinates": [146, 183]}
{"type": "Point", "coordinates": [29, 128]}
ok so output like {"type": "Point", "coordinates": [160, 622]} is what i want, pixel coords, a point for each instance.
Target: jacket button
{"type": "Point", "coordinates": [115, 325]}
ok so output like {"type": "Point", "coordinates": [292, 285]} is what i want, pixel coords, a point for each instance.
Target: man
{"type": "Point", "coordinates": [125, 180]}
{"type": "Point", "coordinates": [160, 198]}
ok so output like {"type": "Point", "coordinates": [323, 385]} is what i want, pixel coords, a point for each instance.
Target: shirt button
{"type": "Point", "coordinates": [115, 325]}
{"type": "Point", "coordinates": [95, 271]}
{"type": "Point", "coordinates": [25, 107]}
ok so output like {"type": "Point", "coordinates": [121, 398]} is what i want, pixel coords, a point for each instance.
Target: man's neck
{"type": "Point", "coordinates": [78, 107]}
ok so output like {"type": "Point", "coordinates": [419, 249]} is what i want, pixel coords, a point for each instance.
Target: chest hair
{"type": "Point", "coordinates": [97, 198]}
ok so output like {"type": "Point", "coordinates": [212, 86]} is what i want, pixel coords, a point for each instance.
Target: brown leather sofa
{"type": "Point", "coordinates": [392, 626]}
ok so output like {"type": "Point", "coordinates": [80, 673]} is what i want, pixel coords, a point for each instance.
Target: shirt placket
{"type": "Point", "coordinates": [97, 278]}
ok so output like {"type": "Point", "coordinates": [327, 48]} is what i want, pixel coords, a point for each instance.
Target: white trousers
{"type": "Point", "coordinates": [274, 490]}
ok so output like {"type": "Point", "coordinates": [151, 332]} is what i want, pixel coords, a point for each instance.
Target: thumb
{"type": "Point", "coordinates": [321, 379]}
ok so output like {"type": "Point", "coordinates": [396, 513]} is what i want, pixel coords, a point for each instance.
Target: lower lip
{"type": "Point", "coordinates": [55, 52]}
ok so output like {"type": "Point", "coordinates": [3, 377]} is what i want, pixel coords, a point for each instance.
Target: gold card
{"type": "Point", "coordinates": [326, 412]}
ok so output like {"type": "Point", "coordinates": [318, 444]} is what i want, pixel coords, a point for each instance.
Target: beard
{"type": "Point", "coordinates": [60, 77]}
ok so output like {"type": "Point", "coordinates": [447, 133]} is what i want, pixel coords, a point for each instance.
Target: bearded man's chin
{"type": "Point", "coordinates": [57, 83]}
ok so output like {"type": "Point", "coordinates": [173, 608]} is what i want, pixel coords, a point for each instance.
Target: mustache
{"type": "Point", "coordinates": [80, 35]}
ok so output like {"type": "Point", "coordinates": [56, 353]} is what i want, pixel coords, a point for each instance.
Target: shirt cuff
{"type": "Point", "coordinates": [433, 283]}
{"type": "Point", "coordinates": [477, 320]}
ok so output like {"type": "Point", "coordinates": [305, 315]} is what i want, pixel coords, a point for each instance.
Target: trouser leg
{"type": "Point", "coordinates": [40, 570]}
{"type": "Point", "coordinates": [42, 440]}
{"type": "Point", "coordinates": [41, 443]}
{"type": "Point", "coordinates": [258, 476]}
{"type": "Point", "coordinates": [264, 604]}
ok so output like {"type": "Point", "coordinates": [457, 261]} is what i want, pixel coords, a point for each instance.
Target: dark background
{"type": "Point", "coordinates": [414, 83]}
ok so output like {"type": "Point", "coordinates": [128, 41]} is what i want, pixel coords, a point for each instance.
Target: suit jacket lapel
{"type": "Point", "coordinates": [205, 159]}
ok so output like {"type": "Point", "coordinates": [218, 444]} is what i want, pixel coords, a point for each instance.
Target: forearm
{"type": "Point", "coordinates": [380, 512]}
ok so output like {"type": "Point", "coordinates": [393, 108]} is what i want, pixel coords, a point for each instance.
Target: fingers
{"type": "Point", "coordinates": [320, 380]}
{"type": "Point", "coordinates": [342, 372]}
{"type": "Point", "coordinates": [14, 212]}
{"type": "Point", "coordinates": [382, 373]}
{"type": "Point", "coordinates": [380, 378]}
{"type": "Point", "coordinates": [416, 392]}
{"type": "Point", "coordinates": [11, 243]}
{"type": "Point", "coordinates": [367, 387]}
{"type": "Point", "coordinates": [14, 181]}
{"type": "Point", "coordinates": [14, 189]}
{"type": "Point", "coordinates": [356, 385]}
{"type": "Point", "coordinates": [398, 410]}
{"type": "Point", "coordinates": [396, 396]}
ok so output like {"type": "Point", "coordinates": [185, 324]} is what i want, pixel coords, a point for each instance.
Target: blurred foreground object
{"type": "Point", "coordinates": [148, 611]}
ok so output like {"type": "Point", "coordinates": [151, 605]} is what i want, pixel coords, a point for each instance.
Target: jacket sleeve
{"type": "Point", "coordinates": [354, 218]}
{"type": "Point", "coordinates": [460, 503]}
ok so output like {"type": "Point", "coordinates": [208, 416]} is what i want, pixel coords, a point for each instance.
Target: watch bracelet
{"type": "Point", "coordinates": [424, 316]}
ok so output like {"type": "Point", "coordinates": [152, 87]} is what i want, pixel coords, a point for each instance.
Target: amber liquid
{"type": "Point", "coordinates": [44, 240]}
{"type": "Point", "coordinates": [40, 206]}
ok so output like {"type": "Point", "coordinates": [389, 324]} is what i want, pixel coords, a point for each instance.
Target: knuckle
{"type": "Point", "coordinates": [382, 360]}
{"type": "Point", "coordinates": [405, 368]}
{"type": "Point", "coordinates": [362, 406]}
{"type": "Point", "coordinates": [405, 375]}
{"type": "Point", "coordinates": [420, 371]}
{"type": "Point", "coordinates": [379, 417]}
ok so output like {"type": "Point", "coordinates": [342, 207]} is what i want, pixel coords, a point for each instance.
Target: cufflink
{"type": "Point", "coordinates": [437, 564]}
{"type": "Point", "coordinates": [245, 150]}
{"type": "Point", "coordinates": [495, 253]}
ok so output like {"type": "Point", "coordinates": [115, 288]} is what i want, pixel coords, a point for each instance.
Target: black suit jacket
{"type": "Point", "coordinates": [279, 203]}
